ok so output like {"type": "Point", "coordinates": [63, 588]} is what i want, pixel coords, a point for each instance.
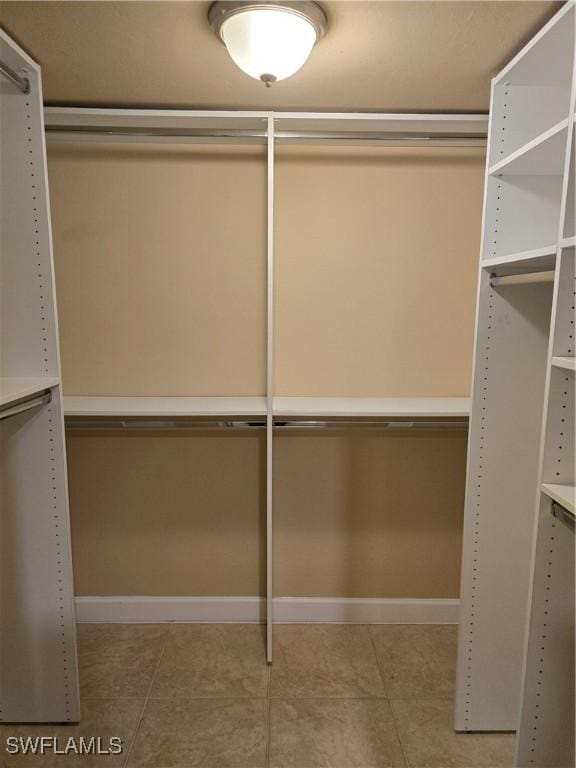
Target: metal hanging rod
{"type": "Point", "coordinates": [563, 514]}
{"type": "Point", "coordinates": [219, 424]}
{"type": "Point", "coordinates": [393, 138]}
{"type": "Point", "coordinates": [135, 132]}
{"type": "Point", "coordinates": [527, 278]}
{"type": "Point", "coordinates": [25, 405]}
{"type": "Point", "coordinates": [22, 83]}
{"type": "Point", "coordinates": [98, 422]}
{"type": "Point", "coordinates": [370, 424]}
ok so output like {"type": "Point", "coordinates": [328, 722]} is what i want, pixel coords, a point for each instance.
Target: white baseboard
{"type": "Point", "coordinates": [252, 609]}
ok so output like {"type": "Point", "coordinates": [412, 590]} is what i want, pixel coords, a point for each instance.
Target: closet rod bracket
{"type": "Point", "coordinates": [22, 83]}
{"type": "Point", "coordinates": [563, 514]}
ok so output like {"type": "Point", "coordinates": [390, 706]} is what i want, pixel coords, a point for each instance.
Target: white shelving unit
{"type": "Point", "coordinates": [546, 734]}
{"type": "Point", "coordinates": [38, 675]}
{"type": "Point", "coordinates": [268, 129]}
{"type": "Point", "coordinates": [526, 190]}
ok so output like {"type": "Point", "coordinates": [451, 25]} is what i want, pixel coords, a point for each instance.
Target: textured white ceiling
{"type": "Point", "coordinates": [388, 56]}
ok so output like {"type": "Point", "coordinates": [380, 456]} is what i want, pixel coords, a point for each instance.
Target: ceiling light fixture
{"type": "Point", "coordinates": [269, 41]}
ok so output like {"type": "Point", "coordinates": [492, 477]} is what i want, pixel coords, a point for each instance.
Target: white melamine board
{"type": "Point", "coordinates": [522, 115]}
{"type": "Point", "coordinates": [82, 123]}
{"type": "Point", "coordinates": [546, 723]}
{"type": "Point", "coordinates": [547, 58]}
{"type": "Point", "coordinates": [546, 734]}
{"type": "Point", "coordinates": [532, 94]}
{"type": "Point", "coordinates": [12, 390]}
{"type": "Point", "coordinates": [154, 119]}
{"type": "Point", "coordinates": [38, 671]}
{"type": "Point", "coordinates": [374, 123]}
{"type": "Point", "coordinates": [38, 649]}
{"type": "Point", "coordinates": [84, 117]}
{"type": "Point", "coordinates": [358, 407]}
{"type": "Point", "coordinates": [546, 737]}
{"type": "Point", "coordinates": [565, 495]}
{"type": "Point", "coordinates": [568, 242]}
{"type": "Point", "coordinates": [164, 406]}
{"type": "Point", "coordinates": [568, 363]}
{"type": "Point", "coordinates": [522, 213]}
{"type": "Point", "coordinates": [543, 156]}
{"type": "Point", "coordinates": [28, 343]}
{"type": "Point", "coordinates": [538, 260]}
{"type": "Point", "coordinates": [270, 336]}
{"type": "Point", "coordinates": [564, 330]}
{"type": "Point", "coordinates": [502, 482]}
{"type": "Point", "coordinates": [569, 228]}
{"type": "Point", "coordinates": [559, 455]}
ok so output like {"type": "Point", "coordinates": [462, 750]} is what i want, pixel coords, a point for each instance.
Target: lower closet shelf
{"type": "Point", "coordinates": [164, 406]}
{"type": "Point", "coordinates": [372, 407]}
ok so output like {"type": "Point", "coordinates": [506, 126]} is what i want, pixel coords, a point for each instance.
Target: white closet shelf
{"type": "Point", "coordinates": [543, 156]}
{"type": "Point", "coordinates": [568, 363]}
{"type": "Point", "coordinates": [539, 259]}
{"type": "Point", "coordinates": [409, 407]}
{"type": "Point", "coordinates": [164, 406]}
{"type": "Point", "coordinates": [563, 494]}
{"type": "Point", "coordinates": [13, 389]}
{"type": "Point", "coordinates": [568, 242]}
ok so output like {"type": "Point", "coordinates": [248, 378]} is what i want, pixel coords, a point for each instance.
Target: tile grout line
{"type": "Point", "coordinates": [381, 673]}
{"type": "Point", "coordinates": [146, 700]}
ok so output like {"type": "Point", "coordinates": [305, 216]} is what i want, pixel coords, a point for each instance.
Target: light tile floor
{"type": "Point", "coordinates": [201, 695]}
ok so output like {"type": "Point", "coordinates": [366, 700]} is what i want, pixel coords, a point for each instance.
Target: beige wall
{"type": "Point", "coordinates": [166, 514]}
{"type": "Point", "coordinates": [377, 253]}
{"type": "Point", "coordinates": [160, 266]}
{"type": "Point", "coordinates": [356, 515]}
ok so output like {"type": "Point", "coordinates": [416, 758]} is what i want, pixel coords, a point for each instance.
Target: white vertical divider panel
{"type": "Point", "coordinates": [38, 667]}
{"type": "Point", "coordinates": [512, 353]}
{"type": "Point", "coordinates": [270, 393]}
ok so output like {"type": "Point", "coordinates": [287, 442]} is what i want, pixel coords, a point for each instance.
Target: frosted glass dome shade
{"type": "Point", "coordinates": [268, 44]}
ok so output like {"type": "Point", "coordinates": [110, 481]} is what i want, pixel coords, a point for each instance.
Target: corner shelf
{"type": "Point", "coordinates": [543, 156]}
{"type": "Point", "coordinates": [14, 389]}
{"type": "Point", "coordinates": [539, 259]}
{"type": "Point", "coordinates": [568, 363]}
{"type": "Point", "coordinates": [358, 407]}
{"type": "Point", "coordinates": [164, 406]}
{"type": "Point", "coordinates": [563, 494]}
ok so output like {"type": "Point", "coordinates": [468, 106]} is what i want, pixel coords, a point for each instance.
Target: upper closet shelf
{"type": "Point", "coordinates": [14, 389]}
{"type": "Point", "coordinates": [563, 494]}
{"type": "Point", "coordinates": [568, 363]}
{"type": "Point", "coordinates": [367, 407]}
{"type": "Point", "coordinates": [568, 242]}
{"type": "Point", "coordinates": [537, 260]}
{"type": "Point", "coordinates": [165, 406]}
{"type": "Point", "coordinates": [543, 156]}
